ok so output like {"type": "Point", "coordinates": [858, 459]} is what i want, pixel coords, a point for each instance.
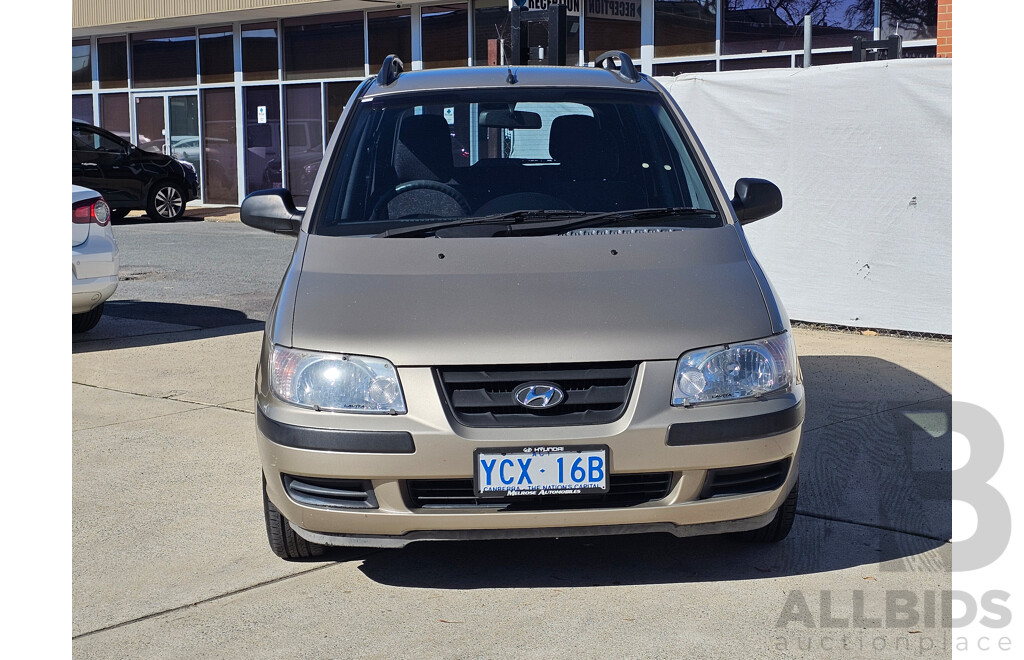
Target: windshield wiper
{"type": "Point", "coordinates": [509, 218]}
{"type": "Point", "coordinates": [539, 223]}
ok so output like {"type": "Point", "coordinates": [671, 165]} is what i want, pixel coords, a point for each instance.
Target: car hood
{"type": "Point", "coordinates": [453, 301]}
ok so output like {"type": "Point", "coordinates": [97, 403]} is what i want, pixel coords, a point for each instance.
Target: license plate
{"type": "Point", "coordinates": [525, 471]}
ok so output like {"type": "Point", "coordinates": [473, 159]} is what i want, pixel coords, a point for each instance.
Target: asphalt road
{"type": "Point", "coordinates": [192, 274]}
{"type": "Point", "coordinates": [170, 557]}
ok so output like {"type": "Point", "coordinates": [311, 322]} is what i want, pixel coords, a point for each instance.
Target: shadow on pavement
{"type": "Point", "coordinates": [143, 323]}
{"type": "Point", "coordinates": [814, 546]}
{"type": "Point", "coordinates": [875, 489]}
{"type": "Point", "coordinates": [198, 214]}
{"type": "Point", "coordinates": [143, 219]}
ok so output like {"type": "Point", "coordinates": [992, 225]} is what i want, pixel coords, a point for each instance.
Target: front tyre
{"type": "Point", "coordinates": [285, 543]}
{"type": "Point", "coordinates": [166, 202]}
{"type": "Point", "coordinates": [779, 527]}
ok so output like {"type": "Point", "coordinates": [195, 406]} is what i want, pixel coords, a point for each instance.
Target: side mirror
{"type": "Point", "coordinates": [271, 210]}
{"type": "Point", "coordinates": [754, 199]}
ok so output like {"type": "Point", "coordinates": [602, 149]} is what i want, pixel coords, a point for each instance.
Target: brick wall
{"type": "Point", "coordinates": [944, 46]}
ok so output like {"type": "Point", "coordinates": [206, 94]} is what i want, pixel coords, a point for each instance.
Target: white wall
{"type": "Point", "coordinates": [862, 154]}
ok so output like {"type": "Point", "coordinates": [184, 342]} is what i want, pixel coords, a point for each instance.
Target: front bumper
{"type": "Point", "coordinates": [387, 452]}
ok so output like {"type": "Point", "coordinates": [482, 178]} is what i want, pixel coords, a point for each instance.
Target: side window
{"type": "Point", "coordinates": [105, 144]}
{"type": "Point", "coordinates": [83, 140]}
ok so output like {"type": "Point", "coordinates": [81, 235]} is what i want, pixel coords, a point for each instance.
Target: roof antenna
{"type": "Point", "coordinates": [511, 79]}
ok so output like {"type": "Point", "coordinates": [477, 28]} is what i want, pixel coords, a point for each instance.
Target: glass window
{"type": "Point", "coordinates": [920, 51]}
{"type": "Point", "coordinates": [613, 26]}
{"type": "Point", "coordinates": [216, 55]}
{"type": "Point", "coordinates": [913, 20]}
{"type": "Point", "coordinates": [259, 51]}
{"type": "Point", "coordinates": [220, 174]}
{"type": "Point", "coordinates": [112, 56]}
{"type": "Point", "coordinates": [149, 124]}
{"type": "Point", "coordinates": [821, 59]}
{"type": "Point", "coordinates": [604, 151]}
{"type": "Point", "coordinates": [338, 94]}
{"type": "Point", "coordinates": [164, 59]}
{"type": "Point", "coordinates": [323, 46]}
{"type": "Point", "coordinates": [678, 68]}
{"type": "Point", "coordinates": [304, 136]}
{"type": "Point", "coordinates": [262, 138]}
{"type": "Point", "coordinates": [756, 26]}
{"type": "Point", "coordinates": [492, 32]}
{"type": "Point", "coordinates": [81, 64]}
{"type": "Point", "coordinates": [81, 107]}
{"type": "Point", "coordinates": [783, 62]}
{"type": "Point", "coordinates": [85, 139]}
{"type": "Point", "coordinates": [183, 126]}
{"type": "Point", "coordinates": [445, 35]}
{"type": "Point", "coordinates": [684, 27]}
{"type": "Point", "coordinates": [114, 115]}
{"type": "Point", "coordinates": [389, 32]}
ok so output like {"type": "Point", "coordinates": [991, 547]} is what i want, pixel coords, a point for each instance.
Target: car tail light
{"type": "Point", "coordinates": [93, 211]}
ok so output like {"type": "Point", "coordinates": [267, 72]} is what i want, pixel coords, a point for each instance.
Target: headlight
{"type": "Point", "coordinates": [328, 381]}
{"type": "Point", "coordinates": [735, 371]}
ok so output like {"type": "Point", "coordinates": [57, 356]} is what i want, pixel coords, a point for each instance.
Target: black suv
{"type": "Point", "coordinates": [128, 177]}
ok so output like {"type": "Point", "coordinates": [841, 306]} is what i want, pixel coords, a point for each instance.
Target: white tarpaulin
{"type": "Point", "coordinates": [863, 156]}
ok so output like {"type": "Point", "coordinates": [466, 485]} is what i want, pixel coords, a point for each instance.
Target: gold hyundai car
{"type": "Point", "coordinates": [521, 304]}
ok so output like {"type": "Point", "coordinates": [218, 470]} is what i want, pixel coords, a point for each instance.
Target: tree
{"type": "Point", "coordinates": [792, 12]}
{"type": "Point", "coordinates": [915, 18]}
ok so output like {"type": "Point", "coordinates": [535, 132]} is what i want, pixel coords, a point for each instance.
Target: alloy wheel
{"type": "Point", "coordinates": [168, 202]}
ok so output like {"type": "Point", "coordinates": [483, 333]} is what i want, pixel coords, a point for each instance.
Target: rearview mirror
{"type": "Point", "coordinates": [754, 199]}
{"type": "Point", "coordinates": [509, 119]}
{"type": "Point", "coordinates": [271, 210]}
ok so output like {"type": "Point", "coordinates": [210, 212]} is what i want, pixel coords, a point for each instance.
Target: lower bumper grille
{"type": "Point", "coordinates": [624, 490]}
{"type": "Point", "coordinates": [745, 480]}
{"type": "Point", "coordinates": [330, 493]}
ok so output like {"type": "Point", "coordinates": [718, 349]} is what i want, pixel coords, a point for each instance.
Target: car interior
{"type": "Point", "coordinates": [536, 155]}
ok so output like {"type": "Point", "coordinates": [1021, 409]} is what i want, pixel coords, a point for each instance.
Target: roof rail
{"type": "Point", "coordinates": [390, 70]}
{"type": "Point", "coordinates": [626, 70]}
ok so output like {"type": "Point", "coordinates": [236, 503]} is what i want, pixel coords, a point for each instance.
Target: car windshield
{"type": "Point", "coordinates": [418, 159]}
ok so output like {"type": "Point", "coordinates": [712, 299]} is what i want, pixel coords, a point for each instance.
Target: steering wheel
{"type": "Point", "coordinates": [420, 184]}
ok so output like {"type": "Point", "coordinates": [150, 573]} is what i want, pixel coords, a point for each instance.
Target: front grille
{"type": "Point", "coordinates": [482, 396]}
{"type": "Point", "coordinates": [623, 490]}
{"type": "Point", "coordinates": [744, 480]}
{"type": "Point", "coordinates": [330, 493]}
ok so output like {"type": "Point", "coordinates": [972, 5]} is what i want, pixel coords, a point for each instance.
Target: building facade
{"type": "Point", "coordinates": [249, 91]}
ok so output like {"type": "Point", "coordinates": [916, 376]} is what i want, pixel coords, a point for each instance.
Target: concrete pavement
{"type": "Point", "coordinates": [170, 557]}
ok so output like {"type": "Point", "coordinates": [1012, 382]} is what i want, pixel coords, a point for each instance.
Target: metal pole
{"type": "Point", "coordinates": [807, 41]}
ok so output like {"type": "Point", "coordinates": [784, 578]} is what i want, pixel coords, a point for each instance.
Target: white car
{"type": "Point", "coordinates": [94, 258]}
